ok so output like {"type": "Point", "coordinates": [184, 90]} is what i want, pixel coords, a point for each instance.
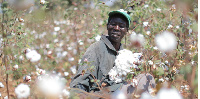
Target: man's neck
{"type": "Point", "coordinates": [116, 45]}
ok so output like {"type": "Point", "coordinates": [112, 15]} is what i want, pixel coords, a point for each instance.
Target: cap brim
{"type": "Point", "coordinates": [122, 13]}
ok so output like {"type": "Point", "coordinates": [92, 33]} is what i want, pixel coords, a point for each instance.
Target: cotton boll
{"type": "Point", "coordinates": [73, 69]}
{"type": "Point", "coordinates": [166, 41]}
{"type": "Point", "coordinates": [42, 1]}
{"type": "Point", "coordinates": [66, 93]}
{"type": "Point", "coordinates": [32, 55]}
{"type": "Point", "coordinates": [74, 51]}
{"type": "Point", "coordinates": [21, 57]}
{"type": "Point", "coordinates": [56, 22]}
{"type": "Point", "coordinates": [134, 82]}
{"type": "Point", "coordinates": [150, 62]}
{"type": "Point", "coordinates": [6, 97]}
{"type": "Point", "coordinates": [60, 44]}
{"type": "Point", "coordinates": [40, 71]}
{"type": "Point", "coordinates": [66, 73]}
{"type": "Point", "coordinates": [190, 31]}
{"type": "Point", "coordinates": [158, 9]}
{"type": "Point", "coordinates": [59, 55]}
{"type": "Point", "coordinates": [64, 53]}
{"type": "Point", "coordinates": [1, 85]}
{"type": "Point", "coordinates": [15, 66]}
{"type": "Point", "coordinates": [51, 85]}
{"type": "Point", "coordinates": [69, 48]}
{"type": "Point", "coordinates": [59, 74]}
{"type": "Point", "coordinates": [168, 93]}
{"type": "Point", "coordinates": [137, 55]}
{"type": "Point", "coordinates": [161, 80]}
{"type": "Point", "coordinates": [98, 37]}
{"type": "Point", "coordinates": [27, 50]}
{"type": "Point", "coordinates": [146, 95]}
{"type": "Point", "coordinates": [148, 32]}
{"type": "Point", "coordinates": [146, 6]}
{"type": "Point", "coordinates": [155, 48]}
{"type": "Point", "coordinates": [173, 7]}
{"type": "Point", "coordinates": [170, 26]}
{"type": "Point", "coordinates": [118, 79]}
{"type": "Point", "coordinates": [112, 74]}
{"type": "Point", "coordinates": [55, 40]}
{"type": "Point", "coordinates": [1, 41]}
{"type": "Point", "coordinates": [22, 91]}
{"type": "Point", "coordinates": [36, 58]}
{"type": "Point", "coordinates": [118, 95]}
{"type": "Point", "coordinates": [27, 78]}
{"type": "Point", "coordinates": [56, 29]}
{"type": "Point", "coordinates": [49, 52]}
{"type": "Point", "coordinates": [71, 59]}
{"type": "Point", "coordinates": [137, 39]}
{"type": "Point", "coordinates": [47, 46]}
{"type": "Point", "coordinates": [145, 24]}
{"type": "Point", "coordinates": [80, 42]}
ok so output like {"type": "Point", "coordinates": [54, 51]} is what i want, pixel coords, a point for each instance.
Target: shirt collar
{"type": "Point", "coordinates": [108, 43]}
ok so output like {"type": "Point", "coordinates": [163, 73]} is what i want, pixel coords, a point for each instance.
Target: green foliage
{"type": "Point", "coordinates": [92, 80]}
{"type": "Point", "coordinates": [195, 58]}
{"type": "Point", "coordinates": [185, 70]}
{"type": "Point", "coordinates": [129, 76]}
{"type": "Point", "coordinates": [17, 74]}
{"type": "Point", "coordinates": [160, 71]}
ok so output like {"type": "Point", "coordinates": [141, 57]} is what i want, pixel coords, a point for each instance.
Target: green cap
{"type": "Point", "coordinates": [122, 12]}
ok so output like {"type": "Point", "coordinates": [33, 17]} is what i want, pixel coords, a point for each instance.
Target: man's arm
{"type": "Point", "coordinates": [87, 70]}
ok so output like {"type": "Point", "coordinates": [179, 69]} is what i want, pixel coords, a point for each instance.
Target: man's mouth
{"type": "Point", "coordinates": [116, 35]}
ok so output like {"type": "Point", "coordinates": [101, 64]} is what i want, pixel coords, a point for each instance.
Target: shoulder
{"type": "Point", "coordinates": [96, 46]}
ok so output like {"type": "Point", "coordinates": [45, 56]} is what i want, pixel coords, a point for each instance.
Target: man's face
{"type": "Point", "coordinates": [116, 29]}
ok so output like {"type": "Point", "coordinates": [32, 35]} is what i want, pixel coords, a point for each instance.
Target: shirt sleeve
{"type": "Point", "coordinates": [87, 70]}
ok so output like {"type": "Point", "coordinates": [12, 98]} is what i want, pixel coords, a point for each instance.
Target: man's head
{"type": "Point", "coordinates": [118, 23]}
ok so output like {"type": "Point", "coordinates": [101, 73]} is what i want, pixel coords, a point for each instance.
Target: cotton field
{"type": "Point", "coordinates": [42, 43]}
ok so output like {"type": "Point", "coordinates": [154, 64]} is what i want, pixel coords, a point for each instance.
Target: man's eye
{"type": "Point", "coordinates": [122, 26]}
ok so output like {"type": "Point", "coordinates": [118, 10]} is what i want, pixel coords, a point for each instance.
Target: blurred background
{"type": "Point", "coordinates": [60, 31]}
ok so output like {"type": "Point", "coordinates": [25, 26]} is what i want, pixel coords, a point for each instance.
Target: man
{"type": "Point", "coordinates": [99, 58]}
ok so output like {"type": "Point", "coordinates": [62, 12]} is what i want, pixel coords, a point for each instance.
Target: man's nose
{"type": "Point", "coordinates": [116, 27]}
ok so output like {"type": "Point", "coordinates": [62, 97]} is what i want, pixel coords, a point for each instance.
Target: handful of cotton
{"type": "Point", "coordinates": [124, 63]}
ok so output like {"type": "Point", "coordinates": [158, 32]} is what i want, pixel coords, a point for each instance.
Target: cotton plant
{"type": "Point", "coordinates": [124, 63]}
{"type": "Point", "coordinates": [32, 55]}
{"type": "Point", "coordinates": [22, 91]}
